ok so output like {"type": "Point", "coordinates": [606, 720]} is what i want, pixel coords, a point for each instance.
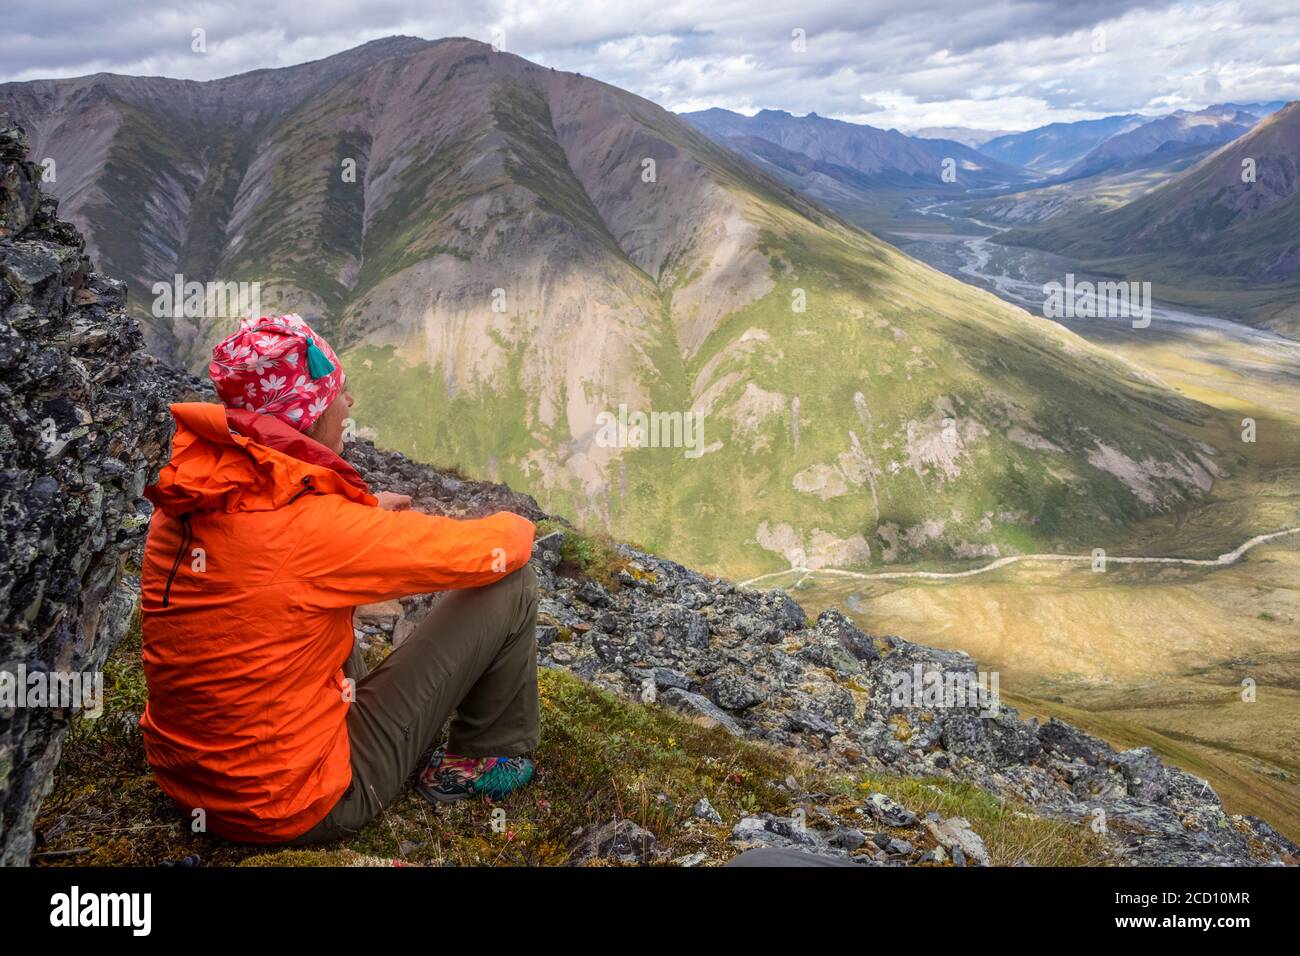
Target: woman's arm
{"type": "Point", "coordinates": [355, 554]}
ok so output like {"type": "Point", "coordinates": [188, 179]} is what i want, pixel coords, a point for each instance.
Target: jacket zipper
{"type": "Point", "coordinates": [306, 487]}
{"type": "Point", "coordinates": [187, 538]}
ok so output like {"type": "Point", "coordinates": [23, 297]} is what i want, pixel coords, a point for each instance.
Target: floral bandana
{"type": "Point", "coordinates": [278, 367]}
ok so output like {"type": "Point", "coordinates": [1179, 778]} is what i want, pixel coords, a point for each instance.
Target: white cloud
{"type": "Point", "coordinates": [903, 63]}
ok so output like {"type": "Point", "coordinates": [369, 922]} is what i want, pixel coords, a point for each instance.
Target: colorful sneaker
{"type": "Point", "coordinates": [449, 777]}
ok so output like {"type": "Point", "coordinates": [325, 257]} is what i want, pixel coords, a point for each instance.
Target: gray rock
{"type": "Point", "coordinates": [771, 830]}
{"type": "Point", "coordinates": [686, 626]}
{"type": "Point", "coordinates": [701, 708]}
{"type": "Point", "coordinates": [886, 811]}
{"type": "Point", "coordinates": [825, 652]}
{"type": "Point", "coordinates": [892, 845]}
{"type": "Point", "coordinates": [758, 629]}
{"type": "Point", "coordinates": [1073, 744]}
{"type": "Point", "coordinates": [847, 838]}
{"type": "Point", "coordinates": [732, 692]}
{"type": "Point", "coordinates": [620, 840]}
{"type": "Point", "coordinates": [786, 612]}
{"type": "Point", "coordinates": [666, 677]}
{"type": "Point", "coordinates": [955, 835]}
{"type": "Point", "coordinates": [704, 811]}
{"type": "Point", "coordinates": [803, 722]}
{"type": "Point", "coordinates": [937, 856]}
{"type": "Point", "coordinates": [84, 428]}
{"type": "Point", "coordinates": [593, 593]}
{"type": "Point", "coordinates": [552, 543]}
{"type": "Point", "coordinates": [562, 653]}
{"type": "Point", "coordinates": [835, 625]}
{"type": "Point", "coordinates": [1012, 740]}
{"type": "Point", "coordinates": [1143, 774]}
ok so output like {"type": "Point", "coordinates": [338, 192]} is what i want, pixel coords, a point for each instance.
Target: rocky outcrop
{"type": "Point", "coordinates": [83, 427]}
{"type": "Point", "coordinates": [439, 492]}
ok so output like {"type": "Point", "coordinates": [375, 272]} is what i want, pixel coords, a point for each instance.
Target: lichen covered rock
{"type": "Point", "coordinates": [83, 428]}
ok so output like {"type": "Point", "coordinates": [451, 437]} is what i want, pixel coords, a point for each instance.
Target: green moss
{"type": "Point", "coordinates": [586, 555]}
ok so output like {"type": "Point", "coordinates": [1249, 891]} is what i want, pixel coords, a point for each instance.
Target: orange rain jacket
{"type": "Point", "coordinates": [262, 543]}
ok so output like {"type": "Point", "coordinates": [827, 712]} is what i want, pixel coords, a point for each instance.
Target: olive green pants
{"type": "Point", "coordinates": [475, 654]}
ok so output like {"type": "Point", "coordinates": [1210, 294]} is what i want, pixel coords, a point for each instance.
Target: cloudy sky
{"type": "Point", "coordinates": [902, 63]}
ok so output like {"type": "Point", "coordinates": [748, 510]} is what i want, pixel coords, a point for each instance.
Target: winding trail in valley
{"type": "Point", "coordinates": [1230, 557]}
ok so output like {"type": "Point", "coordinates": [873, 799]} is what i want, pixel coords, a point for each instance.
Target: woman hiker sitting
{"type": "Point", "coordinates": [261, 712]}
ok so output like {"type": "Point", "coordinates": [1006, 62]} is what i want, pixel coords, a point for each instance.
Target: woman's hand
{"type": "Point", "coordinates": [390, 501]}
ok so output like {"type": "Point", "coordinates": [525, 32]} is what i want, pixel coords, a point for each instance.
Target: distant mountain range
{"type": "Point", "coordinates": [1071, 196]}
{"type": "Point", "coordinates": [1165, 137]}
{"type": "Point", "coordinates": [510, 257]}
{"type": "Point", "coordinates": [1087, 147]}
{"type": "Point", "coordinates": [882, 180]}
{"type": "Point", "coordinates": [966, 135]}
{"type": "Point", "coordinates": [1098, 191]}
{"type": "Point", "coordinates": [1227, 228]}
{"type": "Point", "coordinates": [850, 166]}
{"type": "Point", "coordinates": [1056, 147]}
{"type": "Point", "coordinates": [807, 149]}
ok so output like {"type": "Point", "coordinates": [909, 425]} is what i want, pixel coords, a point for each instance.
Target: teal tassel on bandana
{"type": "Point", "coordinates": [318, 364]}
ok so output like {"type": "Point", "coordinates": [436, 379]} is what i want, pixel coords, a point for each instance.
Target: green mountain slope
{"type": "Point", "coordinates": [523, 251]}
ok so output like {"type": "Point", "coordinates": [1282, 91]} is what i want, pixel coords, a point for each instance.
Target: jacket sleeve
{"type": "Point", "coordinates": [355, 554]}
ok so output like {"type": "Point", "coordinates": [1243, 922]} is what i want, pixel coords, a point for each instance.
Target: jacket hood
{"type": "Point", "coordinates": [234, 460]}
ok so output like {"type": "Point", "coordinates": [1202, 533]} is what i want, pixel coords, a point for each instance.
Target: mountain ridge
{"type": "Point", "coordinates": [1181, 129]}
{"type": "Point", "coordinates": [893, 157]}
{"type": "Point", "coordinates": [1057, 146]}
